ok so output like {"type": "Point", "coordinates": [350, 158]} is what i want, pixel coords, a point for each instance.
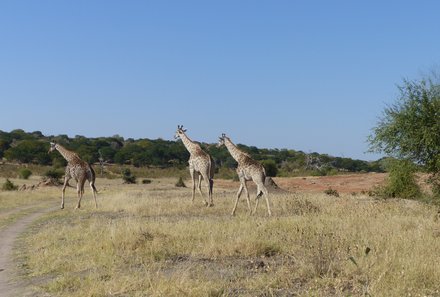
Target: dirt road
{"type": "Point", "coordinates": [9, 283]}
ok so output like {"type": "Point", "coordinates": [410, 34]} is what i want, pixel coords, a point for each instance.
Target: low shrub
{"type": "Point", "coordinates": [332, 192]}
{"type": "Point", "coordinates": [128, 177]}
{"type": "Point", "coordinates": [24, 173]}
{"type": "Point", "coordinates": [54, 174]}
{"type": "Point", "coordinates": [9, 186]}
{"type": "Point", "coordinates": [401, 181]}
{"type": "Point", "coordinates": [180, 183]}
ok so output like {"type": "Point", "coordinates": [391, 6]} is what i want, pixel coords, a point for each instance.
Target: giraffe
{"type": "Point", "coordinates": [79, 170]}
{"type": "Point", "coordinates": [201, 165]}
{"type": "Point", "coordinates": [247, 169]}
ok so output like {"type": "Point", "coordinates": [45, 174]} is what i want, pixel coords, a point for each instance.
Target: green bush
{"type": "Point", "coordinates": [270, 167]}
{"type": "Point", "coordinates": [54, 174]}
{"type": "Point", "coordinates": [225, 173]}
{"type": "Point", "coordinates": [24, 173]}
{"type": "Point", "coordinates": [401, 181]}
{"type": "Point", "coordinates": [128, 177]}
{"type": "Point", "coordinates": [9, 186]}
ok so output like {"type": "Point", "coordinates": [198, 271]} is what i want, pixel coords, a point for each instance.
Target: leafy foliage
{"type": "Point", "coordinates": [24, 173]}
{"type": "Point", "coordinates": [23, 147]}
{"type": "Point", "coordinates": [270, 167]}
{"type": "Point", "coordinates": [128, 177]}
{"type": "Point", "coordinates": [53, 173]}
{"type": "Point", "coordinates": [9, 186]}
{"type": "Point", "coordinates": [401, 181]}
{"type": "Point", "coordinates": [410, 129]}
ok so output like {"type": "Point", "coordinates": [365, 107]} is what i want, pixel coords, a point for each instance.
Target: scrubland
{"type": "Point", "coordinates": [151, 240]}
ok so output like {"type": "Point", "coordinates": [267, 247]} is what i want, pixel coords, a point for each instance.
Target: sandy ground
{"type": "Point", "coordinates": [342, 183]}
{"type": "Point", "coordinates": [348, 183]}
{"type": "Point", "coordinates": [9, 286]}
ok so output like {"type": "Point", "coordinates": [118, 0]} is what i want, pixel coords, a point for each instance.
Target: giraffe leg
{"type": "Point", "coordinates": [66, 181]}
{"type": "Point", "coordinates": [261, 190]}
{"type": "Point", "coordinates": [199, 187]}
{"type": "Point", "coordinates": [266, 196]}
{"type": "Point", "coordinates": [248, 200]}
{"type": "Point", "coordinates": [208, 190]}
{"type": "Point", "coordinates": [191, 172]}
{"type": "Point", "coordinates": [237, 198]}
{"type": "Point", "coordinates": [80, 191]}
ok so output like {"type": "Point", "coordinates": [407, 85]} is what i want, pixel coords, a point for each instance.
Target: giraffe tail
{"type": "Point", "coordinates": [211, 174]}
{"type": "Point", "coordinates": [93, 177]}
{"type": "Point", "coordinates": [94, 188]}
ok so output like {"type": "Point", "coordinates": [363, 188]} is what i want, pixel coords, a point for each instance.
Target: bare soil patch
{"type": "Point", "coordinates": [346, 183]}
{"type": "Point", "coordinates": [8, 285]}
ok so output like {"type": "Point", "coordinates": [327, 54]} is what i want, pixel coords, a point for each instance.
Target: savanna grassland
{"type": "Point", "coordinates": [150, 240]}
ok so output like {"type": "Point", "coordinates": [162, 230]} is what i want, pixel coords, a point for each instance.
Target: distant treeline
{"type": "Point", "coordinates": [23, 147]}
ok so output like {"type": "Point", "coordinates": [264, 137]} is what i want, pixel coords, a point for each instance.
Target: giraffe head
{"type": "Point", "coordinates": [221, 140]}
{"type": "Point", "coordinates": [179, 131]}
{"type": "Point", "coordinates": [52, 147]}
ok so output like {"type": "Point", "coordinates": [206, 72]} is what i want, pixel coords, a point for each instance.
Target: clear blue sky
{"type": "Point", "coordinates": [303, 75]}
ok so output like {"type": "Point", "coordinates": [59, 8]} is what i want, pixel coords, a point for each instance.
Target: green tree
{"type": "Point", "coordinates": [270, 167]}
{"type": "Point", "coordinates": [410, 128]}
{"type": "Point", "coordinates": [29, 151]}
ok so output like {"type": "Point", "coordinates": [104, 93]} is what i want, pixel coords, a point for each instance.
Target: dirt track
{"type": "Point", "coordinates": [9, 286]}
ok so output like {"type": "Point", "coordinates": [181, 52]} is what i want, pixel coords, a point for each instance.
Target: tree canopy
{"type": "Point", "coordinates": [410, 128]}
{"type": "Point", "coordinates": [23, 147]}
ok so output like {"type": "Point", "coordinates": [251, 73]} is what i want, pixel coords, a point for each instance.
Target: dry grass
{"type": "Point", "coordinates": [12, 199]}
{"type": "Point", "coordinates": [150, 240]}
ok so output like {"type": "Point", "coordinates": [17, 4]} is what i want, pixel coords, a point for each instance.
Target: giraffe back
{"type": "Point", "coordinates": [202, 162]}
{"type": "Point", "coordinates": [80, 170]}
{"type": "Point", "coordinates": [251, 169]}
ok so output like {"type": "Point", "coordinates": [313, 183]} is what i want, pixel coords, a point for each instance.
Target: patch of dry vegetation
{"type": "Point", "coordinates": [12, 199]}
{"type": "Point", "coordinates": [150, 240]}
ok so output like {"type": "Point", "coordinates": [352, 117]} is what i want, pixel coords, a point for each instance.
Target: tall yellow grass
{"type": "Point", "coordinates": [150, 240]}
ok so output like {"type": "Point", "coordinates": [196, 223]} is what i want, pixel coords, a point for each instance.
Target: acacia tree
{"type": "Point", "coordinates": [410, 128]}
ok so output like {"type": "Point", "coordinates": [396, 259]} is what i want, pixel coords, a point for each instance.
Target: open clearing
{"type": "Point", "coordinates": [150, 240]}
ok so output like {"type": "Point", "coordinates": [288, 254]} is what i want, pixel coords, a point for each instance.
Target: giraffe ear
{"type": "Point", "coordinates": [223, 135]}
{"type": "Point", "coordinates": [184, 130]}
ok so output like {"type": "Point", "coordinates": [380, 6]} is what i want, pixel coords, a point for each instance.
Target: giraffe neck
{"type": "Point", "coordinates": [189, 144]}
{"type": "Point", "coordinates": [68, 155]}
{"type": "Point", "coordinates": [233, 150]}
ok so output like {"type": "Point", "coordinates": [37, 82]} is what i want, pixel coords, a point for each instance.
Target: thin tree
{"type": "Point", "coordinates": [410, 128]}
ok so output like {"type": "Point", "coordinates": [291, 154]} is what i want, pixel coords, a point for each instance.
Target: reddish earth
{"type": "Point", "coordinates": [346, 183]}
